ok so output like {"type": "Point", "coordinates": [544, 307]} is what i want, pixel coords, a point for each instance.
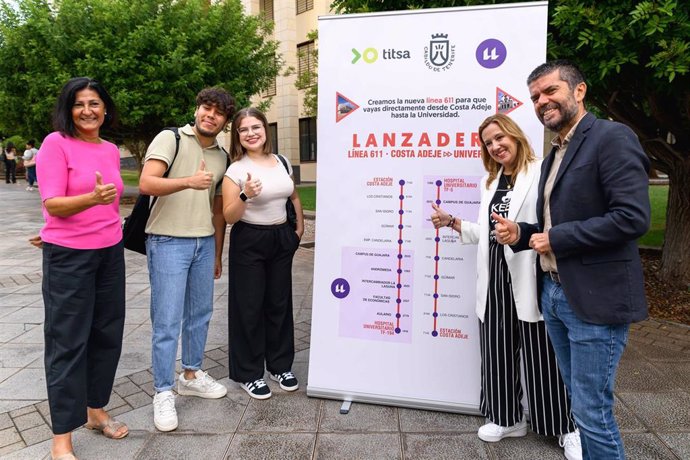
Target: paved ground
{"type": "Point", "coordinates": [652, 397]}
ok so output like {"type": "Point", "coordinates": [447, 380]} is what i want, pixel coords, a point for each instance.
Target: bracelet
{"type": "Point", "coordinates": [451, 222]}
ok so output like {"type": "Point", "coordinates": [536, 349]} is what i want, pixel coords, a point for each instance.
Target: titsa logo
{"type": "Point", "coordinates": [370, 55]}
{"type": "Point", "coordinates": [440, 54]}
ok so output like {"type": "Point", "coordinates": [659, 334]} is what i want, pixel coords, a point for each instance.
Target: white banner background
{"type": "Point", "coordinates": [398, 115]}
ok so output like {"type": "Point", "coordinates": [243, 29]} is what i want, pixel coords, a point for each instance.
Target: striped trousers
{"type": "Point", "coordinates": [505, 341]}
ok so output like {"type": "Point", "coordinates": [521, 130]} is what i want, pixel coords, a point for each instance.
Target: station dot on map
{"type": "Point", "coordinates": [439, 183]}
{"type": "Point", "coordinates": [397, 330]}
{"type": "Point", "coordinates": [436, 258]}
{"type": "Point", "coordinates": [399, 271]}
{"type": "Point", "coordinates": [400, 242]}
{"type": "Point", "coordinates": [435, 296]}
{"type": "Point", "coordinates": [401, 212]}
{"type": "Point", "coordinates": [402, 182]}
{"type": "Point", "coordinates": [437, 239]}
{"type": "Point", "coordinates": [438, 202]}
{"type": "Point", "coordinates": [402, 197]}
{"type": "Point", "coordinates": [435, 314]}
{"type": "Point", "coordinates": [398, 285]}
{"type": "Point", "coordinates": [398, 315]}
{"type": "Point", "coordinates": [400, 227]}
{"type": "Point", "coordinates": [398, 300]}
{"type": "Point", "coordinates": [435, 333]}
{"type": "Point", "coordinates": [399, 256]}
{"type": "Point", "coordinates": [435, 277]}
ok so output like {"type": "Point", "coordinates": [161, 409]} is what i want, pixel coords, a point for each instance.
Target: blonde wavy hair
{"type": "Point", "coordinates": [524, 154]}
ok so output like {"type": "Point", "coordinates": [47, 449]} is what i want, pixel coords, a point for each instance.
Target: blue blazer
{"type": "Point", "coordinates": [599, 208]}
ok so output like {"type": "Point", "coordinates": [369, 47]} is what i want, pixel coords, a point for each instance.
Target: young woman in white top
{"type": "Point", "coordinates": [262, 245]}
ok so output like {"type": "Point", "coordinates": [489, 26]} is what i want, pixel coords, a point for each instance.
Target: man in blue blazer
{"type": "Point", "coordinates": [592, 205]}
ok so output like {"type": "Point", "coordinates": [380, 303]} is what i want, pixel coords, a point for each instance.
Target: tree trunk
{"type": "Point", "coordinates": [138, 150]}
{"type": "Point", "coordinates": [675, 258]}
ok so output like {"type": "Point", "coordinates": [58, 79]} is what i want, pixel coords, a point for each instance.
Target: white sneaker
{"type": "Point", "coordinates": [164, 413]}
{"type": "Point", "coordinates": [570, 442]}
{"type": "Point", "coordinates": [494, 433]}
{"type": "Point", "coordinates": [203, 386]}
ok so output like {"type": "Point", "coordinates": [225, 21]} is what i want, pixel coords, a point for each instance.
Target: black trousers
{"type": "Point", "coordinates": [84, 298]}
{"type": "Point", "coordinates": [10, 171]}
{"type": "Point", "coordinates": [504, 342]}
{"type": "Point", "coordinates": [261, 327]}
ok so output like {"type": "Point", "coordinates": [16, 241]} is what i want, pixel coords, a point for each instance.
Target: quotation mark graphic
{"type": "Point", "coordinates": [491, 53]}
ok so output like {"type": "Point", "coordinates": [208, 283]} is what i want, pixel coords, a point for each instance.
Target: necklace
{"type": "Point", "coordinates": [508, 179]}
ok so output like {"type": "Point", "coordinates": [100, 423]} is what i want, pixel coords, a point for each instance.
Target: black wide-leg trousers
{"type": "Point", "coordinates": [84, 299]}
{"type": "Point", "coordinates": [505, 341]}
{"type": "Point", "coordinates": [261, 327]}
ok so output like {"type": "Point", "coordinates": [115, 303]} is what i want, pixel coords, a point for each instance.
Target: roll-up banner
{"type": "Point", "coordinates": [401, 96]}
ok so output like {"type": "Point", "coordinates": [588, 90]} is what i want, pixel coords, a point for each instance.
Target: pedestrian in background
{"type": "Point", "coordinates": [30, 164]}
{"type": "Point", "coordinates": [10, 163]}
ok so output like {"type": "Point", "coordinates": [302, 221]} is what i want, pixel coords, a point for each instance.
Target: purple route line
{"type": "Point", "coordinates": [398, 285]}
{"type": "Point", "coordinates": [437, 239]}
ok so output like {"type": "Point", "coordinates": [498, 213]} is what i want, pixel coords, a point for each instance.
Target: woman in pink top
{"type": "Point", "coordinates": [83, 264]}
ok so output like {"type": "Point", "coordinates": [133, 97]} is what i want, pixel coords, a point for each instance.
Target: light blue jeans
{"type": "Point", "coordinates": [181, 273]}
{"type": "Point", "coordinates": [588, 356]}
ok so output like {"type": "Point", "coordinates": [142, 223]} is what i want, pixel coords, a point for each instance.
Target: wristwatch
{"type": "Point", "coordinates": [243, 196]}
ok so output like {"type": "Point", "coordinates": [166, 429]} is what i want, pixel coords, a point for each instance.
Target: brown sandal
{"type": "Point", "coordinates": [109, 429]}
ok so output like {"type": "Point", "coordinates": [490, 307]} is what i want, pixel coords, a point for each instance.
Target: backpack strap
{"type": "Point", "coordinates": [284, 161]}
{"type": "Point", "coordinates": [176, 132]}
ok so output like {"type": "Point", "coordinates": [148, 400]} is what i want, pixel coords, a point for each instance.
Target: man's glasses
{"type": "Point", "coordinates": [244, 131]}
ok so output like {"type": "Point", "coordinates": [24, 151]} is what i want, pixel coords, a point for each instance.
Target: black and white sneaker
{"type": "Point", "coordinates": [287, 380]}
{"type": "Point", "coordinates": [257, 389]}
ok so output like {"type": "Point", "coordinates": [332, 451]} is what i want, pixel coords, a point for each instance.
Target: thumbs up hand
{"type": "Point", "coordinates": [252, 187]}
{"type": "Point", "coordinates": [439, 217]}
{"type": "Point", "coordinates": [103, 193]}
{"type": "Point", "coordinates": [506, 230]}
{"type": "Point", "coordinates": [202, 179]}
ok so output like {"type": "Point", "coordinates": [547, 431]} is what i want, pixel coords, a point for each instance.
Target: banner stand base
{"type": "Point", "coordinates": [385, 400]}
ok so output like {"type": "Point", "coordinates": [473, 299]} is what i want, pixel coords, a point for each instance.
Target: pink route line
{"type": "Point", "coordinates": [399, 284]}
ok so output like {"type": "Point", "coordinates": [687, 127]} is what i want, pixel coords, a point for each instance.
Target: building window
{"type": "Point", "coordinates": [306, 64]}
{"type": "Point", "coordinates": [307, 139]}
{"type": "Point", "coordinates": [304, 5]}
{"type": "Point", "coordinates": [266, 8]}
{"type": "Point", "coordinates": [271, 90]}
{"type": "Point", "coordinates": [273, 132]}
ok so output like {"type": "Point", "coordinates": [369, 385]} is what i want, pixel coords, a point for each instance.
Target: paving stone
{"type": "Point", "coordinates": [217, 355]}
{"type": "Point", "coordinates": [444, 446]}
{"type": "Point", "coordinates": [529, 447]}
{"type": "Point", "coordinates": [361, 418]}
{"type": "Point", "coordinates": [278, 446]}
{"type": "Point", "coordinates": [283, 412]}
{"type": "Point", "coordinates": [336, 446]}
{"type": "Point", "coordinates": [37, 434]}
{"type": "Point", "coordinates": [141, 377]}
{"type": "Point", "coordinates": [6, 450]}
{"type": "Point", "coordinates": [126, 388]}
{"type": "Point", "coordinates": [148, 388]}
{"type": "Point", "coordinates": [626, 419]}
{"type": "Point", "coordinates": [30, 420]}
{"type": "Point", "coordinates": [679, 443]}
{"type": "Point", "coordinates": [138, 399]}
{"type": "Point", "coordinates": [644, 446]}
{"type": "Point", "coordinates": [413, 420]}
{"type": "Point", "coordinates": [5, 421]}
{"type": "Point", "coordinates": [115, 401]}
{"type": "Point", "coordinates": [185, 446]}
{"type": "Point", "coordinates": [641, 376]}
{"type": "Point", "coordinates": [23, 411]}
{"type": "Point", "coordinates": [666, 411]}
{"type": "Point", "coordinates": [9, 436]}
{"type": "Point", "coordinates": [44, 409]}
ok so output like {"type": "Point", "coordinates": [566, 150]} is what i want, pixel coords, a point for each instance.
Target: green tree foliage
{"type": "Point", "coordinates": [153, 56]}
{"type": "Point", "coordinates": [636, 56]}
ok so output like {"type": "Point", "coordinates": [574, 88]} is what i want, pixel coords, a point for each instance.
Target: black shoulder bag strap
{"type": "Point", "coordinates": [175, 131]}
{"type": "Point", "coordinates": [282, 160]}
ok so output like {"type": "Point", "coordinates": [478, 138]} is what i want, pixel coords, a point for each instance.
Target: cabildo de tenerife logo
{"type": "Point", "coordinates": [440, 54]}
